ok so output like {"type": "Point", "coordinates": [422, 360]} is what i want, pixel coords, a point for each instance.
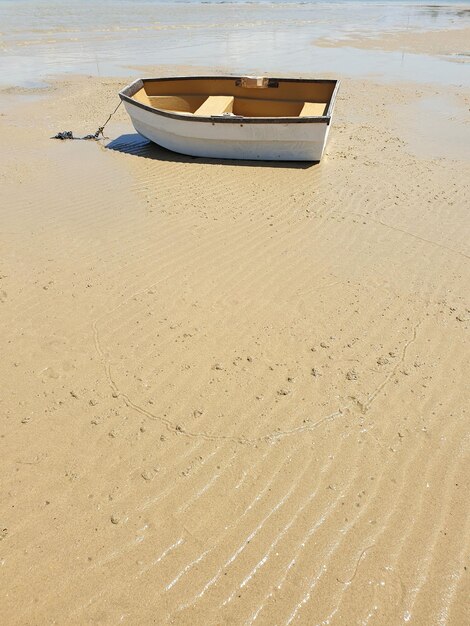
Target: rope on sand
{"type": "Point", "coordinates": [68, 134]}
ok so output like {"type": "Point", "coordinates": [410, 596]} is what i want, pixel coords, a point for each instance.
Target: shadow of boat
{"type": "Point", "coordinates": [136, 145]}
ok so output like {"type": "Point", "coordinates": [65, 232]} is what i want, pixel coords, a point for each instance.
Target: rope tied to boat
{"type": "Point", "coordinates": [68, 134]}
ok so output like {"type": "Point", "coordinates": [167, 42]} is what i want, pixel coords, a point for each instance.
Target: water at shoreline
{"type": "Point", "coordinates": [48, 38]}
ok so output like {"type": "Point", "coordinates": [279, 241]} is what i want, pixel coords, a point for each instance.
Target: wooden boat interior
{"type": "Point", "coordinates": [246, 97]}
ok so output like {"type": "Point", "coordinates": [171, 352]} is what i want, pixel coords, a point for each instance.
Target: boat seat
{"type": "Point", "coordinates": [215, 105]}
{"type": "Point", "coordinates": [313, 109]}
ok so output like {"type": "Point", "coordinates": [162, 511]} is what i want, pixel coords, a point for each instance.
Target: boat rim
{"type": "Point", "coordinates": [127, 92]}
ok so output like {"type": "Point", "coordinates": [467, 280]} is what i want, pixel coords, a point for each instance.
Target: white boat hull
{"type": "Point", "coordinates": [230, 117]}
{"type": "Point", "coordinates": [252, 141]}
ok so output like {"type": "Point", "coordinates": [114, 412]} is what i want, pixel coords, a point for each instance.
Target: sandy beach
{"type": "Point", "coordinates": [235, 392]}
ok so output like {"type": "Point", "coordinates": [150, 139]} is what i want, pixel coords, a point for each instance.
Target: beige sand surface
{"type": "Point", "coordinates": [232, 393]}
{"type": "Point", "coordinates": [439, 42]}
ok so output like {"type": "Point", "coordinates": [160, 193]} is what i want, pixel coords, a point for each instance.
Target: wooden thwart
{"type": "Point", "coordinates": [215, 105]}
{"type": "Point", "coordinates": [313, 109]}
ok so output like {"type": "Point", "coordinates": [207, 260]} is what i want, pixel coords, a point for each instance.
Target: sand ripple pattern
{"type": "Point", "coordinates": [248, 398]}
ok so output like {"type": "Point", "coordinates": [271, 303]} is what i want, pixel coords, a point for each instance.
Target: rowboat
{"type": "Point", "coordinates": [234, 117]}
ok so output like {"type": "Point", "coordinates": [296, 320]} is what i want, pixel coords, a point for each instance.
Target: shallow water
{"type": "Point", "coordinates": [43, 38]}
{"type": "Point", "coordinates": [435, 127]}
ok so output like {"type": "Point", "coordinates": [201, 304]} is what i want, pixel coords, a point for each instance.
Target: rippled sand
{"type": "Point", "coordinates": [232, 393]}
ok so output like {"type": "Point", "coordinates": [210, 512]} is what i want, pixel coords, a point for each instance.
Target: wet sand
{"type": "Point", "coordinates": [233, 393]}
{"type": "Point", "coordinates": [454, 43]}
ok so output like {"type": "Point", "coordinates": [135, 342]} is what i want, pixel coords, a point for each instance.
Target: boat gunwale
{"type": "Point", "coordinates": [131, 89]}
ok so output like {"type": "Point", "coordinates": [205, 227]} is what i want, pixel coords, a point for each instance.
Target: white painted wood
{"type": "Point", "coordinates": [283, 141]}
